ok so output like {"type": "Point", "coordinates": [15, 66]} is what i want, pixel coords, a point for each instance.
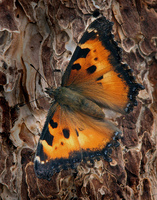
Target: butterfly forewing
{"type": "Point", "coordinates": [96, 71]}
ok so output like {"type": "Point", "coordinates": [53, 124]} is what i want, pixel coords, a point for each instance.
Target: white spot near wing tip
{"type": "Point", "coordinates": [37, 158]}
{"type": "Point", "coordinates": [89, 30]}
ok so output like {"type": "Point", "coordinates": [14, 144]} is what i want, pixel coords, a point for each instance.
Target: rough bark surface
{"type": "Point", "coordinates": [44, 33]}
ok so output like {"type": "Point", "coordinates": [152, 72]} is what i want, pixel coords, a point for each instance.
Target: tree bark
{"type": "Point", "coordinates": [45, 33]}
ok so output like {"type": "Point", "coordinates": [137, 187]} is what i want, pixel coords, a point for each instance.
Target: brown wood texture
{"type": "Point", "coordinates": [45, 33]}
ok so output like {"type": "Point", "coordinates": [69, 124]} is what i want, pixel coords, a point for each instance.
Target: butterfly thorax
{"type": "Point", "coordinates": [75, 102]}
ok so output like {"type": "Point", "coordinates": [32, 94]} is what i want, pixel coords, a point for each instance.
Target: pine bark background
{"type": "Point", "coordinates": [44, 33]}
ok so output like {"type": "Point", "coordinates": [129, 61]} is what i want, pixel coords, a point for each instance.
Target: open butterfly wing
{"type": "Point", "coordinates": [66, 139]}
{"type": "Point", "coordinates": [95, 70]}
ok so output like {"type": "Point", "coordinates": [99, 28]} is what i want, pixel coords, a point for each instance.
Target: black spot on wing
{"type": "Point", "coordinates": [91, 69]}
{"type": "Point", "coordinates": [66, 133]}
{"type": "Point", "coordinates": [100, 78]}
{"type": "Point", "coordinates": [76, 66]}
{"type": "Point", "coordinates": [95, 58]}
{"type": "Point", "coordinates": [82, 53]}
{"type": "Point", "coordinates": [48, 137]}
{"type": "Point", "coordinates": [77, 132]}
{"type": "Point", "coordinates": [53, 124]}
{"type": "Point", "coordinates": [80, 129]}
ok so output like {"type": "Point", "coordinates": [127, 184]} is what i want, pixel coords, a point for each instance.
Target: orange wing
{"type": "Point", "coordinates": [66, 139]}
{"type": "Point", "coordinates": [95, 70]}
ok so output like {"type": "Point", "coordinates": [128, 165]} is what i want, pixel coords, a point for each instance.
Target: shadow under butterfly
{"type": "Point", "coordinates": [75, 127]}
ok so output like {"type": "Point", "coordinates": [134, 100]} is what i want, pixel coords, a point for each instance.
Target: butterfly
{"type": "Point", "coordinates": [75, 128]}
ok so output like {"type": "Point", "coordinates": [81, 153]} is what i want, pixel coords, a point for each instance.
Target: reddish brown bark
{"type": "Point", "coordinates": [44, 34]}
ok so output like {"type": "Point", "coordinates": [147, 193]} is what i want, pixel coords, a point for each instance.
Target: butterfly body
{"type": "Point", "coordinates": [75, 128]}
{"type": "Point", "coordinates": [75, 102]}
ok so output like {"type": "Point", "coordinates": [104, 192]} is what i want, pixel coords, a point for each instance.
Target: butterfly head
{"type": "Point", "coordinates": [51, 91]}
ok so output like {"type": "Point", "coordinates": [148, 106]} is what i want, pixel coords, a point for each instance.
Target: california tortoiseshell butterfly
{"type": "Point", "coordinates": [76, 128]}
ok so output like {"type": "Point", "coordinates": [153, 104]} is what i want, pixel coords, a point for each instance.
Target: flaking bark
{"type": "Point", "coordinates": [44, 33]}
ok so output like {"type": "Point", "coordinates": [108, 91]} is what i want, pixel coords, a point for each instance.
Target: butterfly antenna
{"type": "Point", "coordinates": [23, 104]}
{"type": "Point", "coordinates": [40, 75]}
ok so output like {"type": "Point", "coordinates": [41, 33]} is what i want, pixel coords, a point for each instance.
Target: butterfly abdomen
{"type": "Point", "coordinates": [76, 102]}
